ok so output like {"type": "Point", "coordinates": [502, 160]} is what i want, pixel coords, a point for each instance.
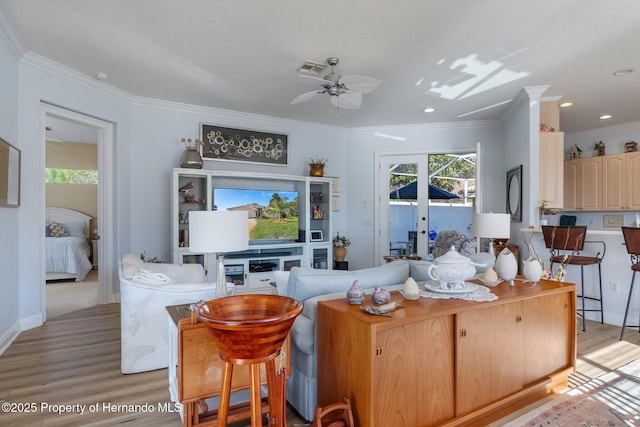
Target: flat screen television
{"type": "Point", "coordinates": [273, 214]}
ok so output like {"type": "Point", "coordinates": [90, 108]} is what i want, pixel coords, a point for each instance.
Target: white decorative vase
{"type": "Point", "coordinates": [506, 266]}
{"type": "Point", "coordinates": [532, 270]}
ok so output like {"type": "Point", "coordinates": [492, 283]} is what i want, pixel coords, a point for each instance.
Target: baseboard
{"type": "Point", "coordinates": [31, 322]}
{"type": "Point", "coordinates": [9, 336]}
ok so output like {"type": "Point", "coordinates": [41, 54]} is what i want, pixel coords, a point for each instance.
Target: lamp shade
{"type": "Point", "coordinates": [218, 231]}
{"type": "Point", "coordinates": [491, 225]}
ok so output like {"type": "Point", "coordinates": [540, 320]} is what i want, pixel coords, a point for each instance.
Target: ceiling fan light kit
{"type": "Point", "coordinates": [344, 91]}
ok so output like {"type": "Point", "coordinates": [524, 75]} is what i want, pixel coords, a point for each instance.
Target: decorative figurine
{"type": "Point", "coordinates": [575, 153]}
{"type": "Point", "coordinates": [599, 147]}
{"type": "Point", "coordinates": [355, 294]}
{"type": "Point", "coordinates": [380, 296]}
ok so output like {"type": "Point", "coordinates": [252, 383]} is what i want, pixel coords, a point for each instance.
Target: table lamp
{"type": "Point", "coordinates": [491, 226]}
{"type": "Point", "coordinates": [218, 232]}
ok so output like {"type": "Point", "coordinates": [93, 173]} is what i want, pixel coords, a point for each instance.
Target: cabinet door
{"type": "Point", "coordinates": [632, 178]}
{"type": "Point", "coordinates": [488, 356]}
{"type": "Point", "coordinates": [549, 327]}
{"type": "Point", "coordinates": [572, 195]}
{"type": "Point", "coordinates": [614, 183]}
{"type": "Point", "coordinates": [591, 183]}
{"type": "Point", "coordinates": [413, 374]}
{"type": "Point", "coordinates": [552, 168]}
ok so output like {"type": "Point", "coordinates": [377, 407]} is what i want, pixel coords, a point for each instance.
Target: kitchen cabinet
{"type": "Point", "coordinates": [603, 183]}
{"type": "Point", "coordinates": [551, 186]}
{"type": "Point", "coordinates": [621, 185]}
{"type": "Point", "coordinates": [583, 184]}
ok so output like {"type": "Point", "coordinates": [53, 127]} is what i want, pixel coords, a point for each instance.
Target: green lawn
{"type": "Point", "coordinates": [275, 229]}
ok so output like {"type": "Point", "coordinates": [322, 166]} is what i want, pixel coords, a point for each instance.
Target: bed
{"type": "Point", "coordinates": [67, 244]}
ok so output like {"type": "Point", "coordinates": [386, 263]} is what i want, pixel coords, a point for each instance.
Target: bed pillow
{"type": "Point", "coordinates": [47, 230]}
{"type": "Point", "coordinates": [78, 229]}
{"type": "Point", "coordinates": [57, 230]}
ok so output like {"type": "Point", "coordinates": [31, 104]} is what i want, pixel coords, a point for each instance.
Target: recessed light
{"type": "Point", "coordinates": [566, 104]}
{"type": "Point", "coordinates": [623, 72]}
{"type": "Point", "coordinates": [429, 110]}
{"type": "Point", "coordinates": [102, 76]}
{"type": "Point", "coordinates": [605, 116]}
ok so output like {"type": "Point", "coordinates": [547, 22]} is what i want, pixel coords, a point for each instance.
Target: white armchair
{"type": "Point", "coordinates": [144, 325]}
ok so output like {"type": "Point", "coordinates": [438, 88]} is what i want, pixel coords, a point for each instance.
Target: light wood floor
{"type": "Point", "coordinates": [74, 359]}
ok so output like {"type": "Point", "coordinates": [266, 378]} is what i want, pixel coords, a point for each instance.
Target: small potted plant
{"type": "Point", "coordinates": [340, 244]}
{"type": "Point", "coordinates": [316, 166]}
{"type": "Point", "coordinates": [542, 208]}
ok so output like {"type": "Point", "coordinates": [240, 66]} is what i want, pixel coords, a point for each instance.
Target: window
{"type": "Point", "coordinates": [70, 176]}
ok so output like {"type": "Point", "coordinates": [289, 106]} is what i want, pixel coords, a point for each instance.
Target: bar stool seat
{"type": "Point", "coordinates": [632, 241]}
{"type": "Point", "coordinates": [565, 244]}
{"type": "Point", "coordinates": [250, 330]}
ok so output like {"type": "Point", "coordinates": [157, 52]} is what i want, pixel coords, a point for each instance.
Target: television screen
{"type": "Point", "coordinates": [273, 215]}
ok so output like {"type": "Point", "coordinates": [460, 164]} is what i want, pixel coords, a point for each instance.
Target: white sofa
{"type": "Point", "coordinates": [144, 325]}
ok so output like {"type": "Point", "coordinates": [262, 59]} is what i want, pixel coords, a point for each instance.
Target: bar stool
{"type": "Point", "coordinates": [632, 241]}
{"type": "Point", "coordinates": [250, 330]}
{"type": "Point", "coordinates": [334, 415]}
{"type": "Point", "coordinates": [565, 244]}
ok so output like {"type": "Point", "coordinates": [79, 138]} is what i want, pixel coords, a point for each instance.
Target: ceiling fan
{"type": "Point", "coordinates": [345, 91]}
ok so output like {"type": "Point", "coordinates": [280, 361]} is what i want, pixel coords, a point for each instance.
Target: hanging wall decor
{"type": "Point", "coordinates": [9, 175]}
{"type": "Point", "coordinates": [243, 145]}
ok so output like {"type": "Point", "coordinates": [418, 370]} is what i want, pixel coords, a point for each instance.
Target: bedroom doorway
{"type": "Point", "coordinates": [78, 149]}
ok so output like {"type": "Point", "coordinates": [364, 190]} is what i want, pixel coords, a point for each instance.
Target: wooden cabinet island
{"type": "Point", "coordinates": [448, 362]}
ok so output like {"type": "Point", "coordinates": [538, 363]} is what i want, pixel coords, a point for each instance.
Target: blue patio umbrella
{"type": "Point", "coordinates": [410, 192]}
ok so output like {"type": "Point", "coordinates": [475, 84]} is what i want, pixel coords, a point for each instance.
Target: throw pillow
{"type": "Point", "coordinates": [57, 230]}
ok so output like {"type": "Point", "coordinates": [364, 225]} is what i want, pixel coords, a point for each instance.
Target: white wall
{"type": "Point", "coordinates": [9, 217]}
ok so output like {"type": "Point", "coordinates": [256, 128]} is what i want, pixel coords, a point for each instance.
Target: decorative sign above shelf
{"type": "Point", "coordinates": [243, 145]}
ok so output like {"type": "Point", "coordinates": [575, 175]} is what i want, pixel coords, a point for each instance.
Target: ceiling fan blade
{"type": "Point", "coordinates": [362, 84]}
{"type": "Point", "coordinates": [307, 96]}
{"type": "Point", "coordinates": [316, 81]}
{"type": "Point", "coordinates": [349, 100]}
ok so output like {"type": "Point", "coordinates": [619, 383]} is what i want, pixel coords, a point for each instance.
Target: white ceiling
{"type": "Point", "coordinates": [455, 56]}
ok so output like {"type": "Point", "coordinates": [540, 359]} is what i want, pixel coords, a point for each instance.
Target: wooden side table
{"type": "Point", "coordinates": [196, 373]}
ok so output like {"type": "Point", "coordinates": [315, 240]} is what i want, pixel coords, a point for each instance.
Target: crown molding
{"type": "Point", "coordinates": [421, 127]}
{"type": "Point", "coordinates": [598, 132]}
{"type": "Point", "coordinates": [7, 29]}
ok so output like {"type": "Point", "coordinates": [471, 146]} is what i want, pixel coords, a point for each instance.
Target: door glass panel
{"type": "Point", "coordinates": [403, 200]}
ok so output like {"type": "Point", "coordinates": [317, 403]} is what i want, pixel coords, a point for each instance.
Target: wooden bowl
{"type": "Point", "coordinates": [249, 327]}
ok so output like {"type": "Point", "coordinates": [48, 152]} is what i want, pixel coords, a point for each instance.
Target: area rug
{"type": "Point", "coordinates": [612, 399]}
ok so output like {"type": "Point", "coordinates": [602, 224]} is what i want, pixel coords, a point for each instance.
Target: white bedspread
{"type": "Point", "coordinates": [68, 255]}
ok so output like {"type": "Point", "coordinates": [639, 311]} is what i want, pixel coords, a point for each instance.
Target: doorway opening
{"type": "Point", "coordinates": [84, 144]}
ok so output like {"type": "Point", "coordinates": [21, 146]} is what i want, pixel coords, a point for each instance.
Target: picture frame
{"type": "Point", "coordinates": [243, 145]}
{"type": "Point", "coordinates": [612, 221]}
{"type": "Point", "coordinates": [10, 164]}
{"type": "Point", "coordinates": [317, 236]}
{"type": "Point", "coordinates": [514, 193]}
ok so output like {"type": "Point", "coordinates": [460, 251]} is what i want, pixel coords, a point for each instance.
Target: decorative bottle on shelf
{"type": "Point", "coordinates": [191, 158]}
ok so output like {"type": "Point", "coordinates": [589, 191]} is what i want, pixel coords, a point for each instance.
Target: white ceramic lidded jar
{"type": "Point", "coordinates": [452, 269]}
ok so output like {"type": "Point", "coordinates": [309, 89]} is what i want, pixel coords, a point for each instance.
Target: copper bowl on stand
{"type": "Point", "coordinates": [249, 327]}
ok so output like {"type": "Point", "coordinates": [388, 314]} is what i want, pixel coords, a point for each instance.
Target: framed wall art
{"type": "Point", "coordinates": [514, 193]}
{"type": "Point", "coordinates": [9, 175]}
{"type": "Point", "coordinates": [243, 145]}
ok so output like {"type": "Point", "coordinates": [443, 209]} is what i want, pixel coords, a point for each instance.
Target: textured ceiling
{"type": "Point", "coordinates": [466, 59]}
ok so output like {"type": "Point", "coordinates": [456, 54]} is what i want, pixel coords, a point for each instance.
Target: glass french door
{"type": "Point", "coordinates": [403, 206]}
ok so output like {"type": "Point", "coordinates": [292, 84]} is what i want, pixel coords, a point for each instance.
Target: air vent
{"type": "Point", "coordinates": [311, 68]}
